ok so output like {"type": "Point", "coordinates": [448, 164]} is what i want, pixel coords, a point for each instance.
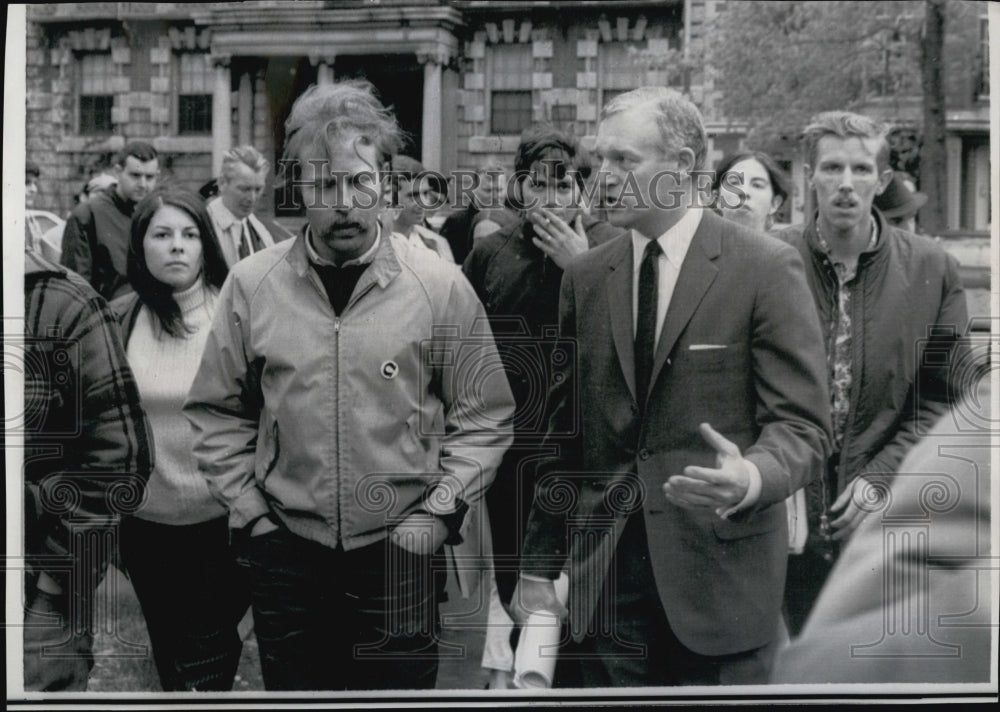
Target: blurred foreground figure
{"type": "Point", "coordinates": [911, 598]}
{"type": "Point", "coordinates": [87, 456]}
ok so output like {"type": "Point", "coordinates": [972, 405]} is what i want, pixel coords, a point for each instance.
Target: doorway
{"type": "Point", "coordinates": [399, 81]}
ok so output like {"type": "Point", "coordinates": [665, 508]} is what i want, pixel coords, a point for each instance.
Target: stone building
{"type": "Point", "coordinates": [464, 77]}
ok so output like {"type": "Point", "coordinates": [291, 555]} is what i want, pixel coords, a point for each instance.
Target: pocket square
{"type": "Point", "coordinates": [705, 347]}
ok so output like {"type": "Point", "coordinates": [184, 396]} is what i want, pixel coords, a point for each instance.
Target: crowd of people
{"type": "Point", "coordinates": [682, 408]}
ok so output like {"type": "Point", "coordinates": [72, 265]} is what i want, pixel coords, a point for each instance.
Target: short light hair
{"type": "Point", "coordinates": [327, 112]}
{"type": "Point", "coordinates": [679, 120]}
{"type": "Point", "coordinates": [845, 124]}
{"type": "Point", "coordinates": [248, 156]}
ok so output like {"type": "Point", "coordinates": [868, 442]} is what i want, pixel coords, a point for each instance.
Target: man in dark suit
{"type": "Point", "coordinates": [695, 406]}
{"type": "Point", "coordinates": [241, 183]}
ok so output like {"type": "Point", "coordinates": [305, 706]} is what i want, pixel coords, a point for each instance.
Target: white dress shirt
{"type": "Point", "coordinates": [229, 230]}
{"type": "Point", "coordinates": [674, 244]}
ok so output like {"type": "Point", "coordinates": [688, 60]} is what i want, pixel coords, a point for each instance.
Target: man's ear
{"type": "Point", "coordinates": [776, 202]}
{"type": "Point", "coordinates": [685, 160]}
{"type": "Point", "coordinates": [884, 179]}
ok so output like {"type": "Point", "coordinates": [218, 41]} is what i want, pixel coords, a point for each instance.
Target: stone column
{"type": "Point", "coordinates": [430, 154]}
{"type": "Point", "coordinates": [953, 194]}
{"type": "Point", "coordinates": [222, 109]}
{"type": "Point", "coordinates": [245, 109]}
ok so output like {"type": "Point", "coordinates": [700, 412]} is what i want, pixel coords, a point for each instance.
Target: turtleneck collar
{"type": "Point", "coordinates": [192, 297]}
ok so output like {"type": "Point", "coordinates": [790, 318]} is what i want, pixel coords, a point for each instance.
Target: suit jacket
{"type": "Point", "coordinates": [270, 232]}
{"type": "Point", "coordinates": [762, 385]}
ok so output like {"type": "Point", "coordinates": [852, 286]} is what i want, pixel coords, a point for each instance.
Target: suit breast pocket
{"type": "Point", "coordinates": [712, 358]}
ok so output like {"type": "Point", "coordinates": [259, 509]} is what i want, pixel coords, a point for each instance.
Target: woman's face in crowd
{"type": "Point", "coordinates": [746, 195]}
{"type": "Point", "coordinates": [172, 248]}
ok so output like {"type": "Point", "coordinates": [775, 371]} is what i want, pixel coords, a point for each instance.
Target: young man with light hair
{"type": "Point", "coordinates": [241, 184]}
{"type": "Point", "coordinates": [884, 297]}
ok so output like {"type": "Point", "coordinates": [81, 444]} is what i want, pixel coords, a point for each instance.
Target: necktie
{"type": "Point", "coordinates": [250, 241]}
{"type": "Point", "coordinates": [645, 333]}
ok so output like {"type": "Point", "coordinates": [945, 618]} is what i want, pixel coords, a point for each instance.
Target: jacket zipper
{"type": "Point", "coordinates": [336, 411]}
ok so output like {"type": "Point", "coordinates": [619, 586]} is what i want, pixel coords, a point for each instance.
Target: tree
{"type": "Point", "coordinates": [775, 64]}
{"type": "Point", "coordinates": [933, 157]}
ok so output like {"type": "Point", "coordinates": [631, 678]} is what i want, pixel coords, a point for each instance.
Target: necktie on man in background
{"type": "Point", "coordinates": [250, 241]}
{"type": "Point", "coordinates": [645, 333]}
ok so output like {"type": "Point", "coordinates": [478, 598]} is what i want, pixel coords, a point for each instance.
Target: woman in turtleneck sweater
{"type": "Point", "coordinates": [176, 546]}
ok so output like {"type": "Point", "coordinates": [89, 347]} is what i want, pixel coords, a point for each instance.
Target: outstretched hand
{"type": "Point", "coordinates": [719, 488]}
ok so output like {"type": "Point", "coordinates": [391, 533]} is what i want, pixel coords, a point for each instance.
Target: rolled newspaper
{"type": "Point", "coordinates": [538, 646]}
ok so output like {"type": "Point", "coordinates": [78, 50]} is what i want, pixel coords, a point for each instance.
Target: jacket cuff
{"type": "Point", "coordinates": [453, 521]}
{"type": "Point", "coordinates": [247, 509]}
{"type": "Point", "coordinates": [752, 495]}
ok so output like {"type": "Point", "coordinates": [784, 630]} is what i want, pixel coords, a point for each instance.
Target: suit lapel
{"type": "Point", "coordinates": [261, 230]}
{"type": "Point", "coordinates": [697, 273]}
{"type": "Point", "coordinates": [619, 287]}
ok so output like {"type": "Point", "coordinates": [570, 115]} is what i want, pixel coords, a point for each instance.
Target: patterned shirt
{"type": "Point", "coordinates": [839, 338]}
{"type": "Point", "coordinates": [88, 449]}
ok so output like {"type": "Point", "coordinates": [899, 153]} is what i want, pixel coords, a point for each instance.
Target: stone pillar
{"type": "Point", "coordinates": [245, 109]}
{"type": "Point", "coordinates": [430, 153]}
{"type": "Point", "coordinates": [953, 195]}
{"type": "Point", "coordinates": [222, 109]}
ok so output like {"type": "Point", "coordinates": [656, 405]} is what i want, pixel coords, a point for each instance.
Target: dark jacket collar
{"type": "Point", "coordinates": [811, 236]}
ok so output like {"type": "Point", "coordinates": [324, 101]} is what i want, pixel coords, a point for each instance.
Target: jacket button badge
{"type": "Point", "coordinates": [389, 370]}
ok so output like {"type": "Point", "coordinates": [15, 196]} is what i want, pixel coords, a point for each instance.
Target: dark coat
{"type": "Point", "coordinates": [737, 351]}
{"type": "Point", "coordinates": [908, 313]}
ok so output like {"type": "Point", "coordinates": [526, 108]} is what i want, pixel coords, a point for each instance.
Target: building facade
{"type": "Point", "coordinates": [464, 78]}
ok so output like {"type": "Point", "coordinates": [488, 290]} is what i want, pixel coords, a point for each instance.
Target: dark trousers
{"type": "Point", "coordinates": [633, 644]}
{"type": "Point", "coordinates": [329, 619]}
{"type": "Point", "coordinates": [193, 595]}
{"type": "Point", "coordinates": [807, 572]}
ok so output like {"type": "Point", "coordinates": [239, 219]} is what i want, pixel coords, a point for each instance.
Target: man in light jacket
{"type": "Point", "coordinates": [349, 409]}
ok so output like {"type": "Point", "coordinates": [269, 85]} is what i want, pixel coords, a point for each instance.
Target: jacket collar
{"type": "Point", "coordinates": [383, 268]}
{"type": "Point", "coordinates": [811, 235]}
{"type": "Point", "coordinates": [36, 264]}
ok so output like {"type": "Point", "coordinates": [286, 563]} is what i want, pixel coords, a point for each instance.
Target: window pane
{"type": "Point", "coordinates": [95, 114]}
{"type": "Point", "coordinates": [195, 76]}
{"type": "Point", "coordinates": [511, 111]}
{"type": "Point", "coordinates": [95, 73]}
{"type": "Point", "coordinates": [194, 114]}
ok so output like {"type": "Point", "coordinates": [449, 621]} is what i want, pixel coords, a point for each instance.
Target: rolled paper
{"type": "Point", "coordinates": [538, 647]}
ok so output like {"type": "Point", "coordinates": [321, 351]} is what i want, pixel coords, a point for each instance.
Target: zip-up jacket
{"type": "Point", "coordinates": [908, 313]}
{"type": "Point", "coordinates": [342, 426]}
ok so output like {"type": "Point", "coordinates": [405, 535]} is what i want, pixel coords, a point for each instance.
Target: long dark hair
{"type": "Point", "coordinates": [153, 293]}
{"type": "Point", "coordinates": [781, 184]}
